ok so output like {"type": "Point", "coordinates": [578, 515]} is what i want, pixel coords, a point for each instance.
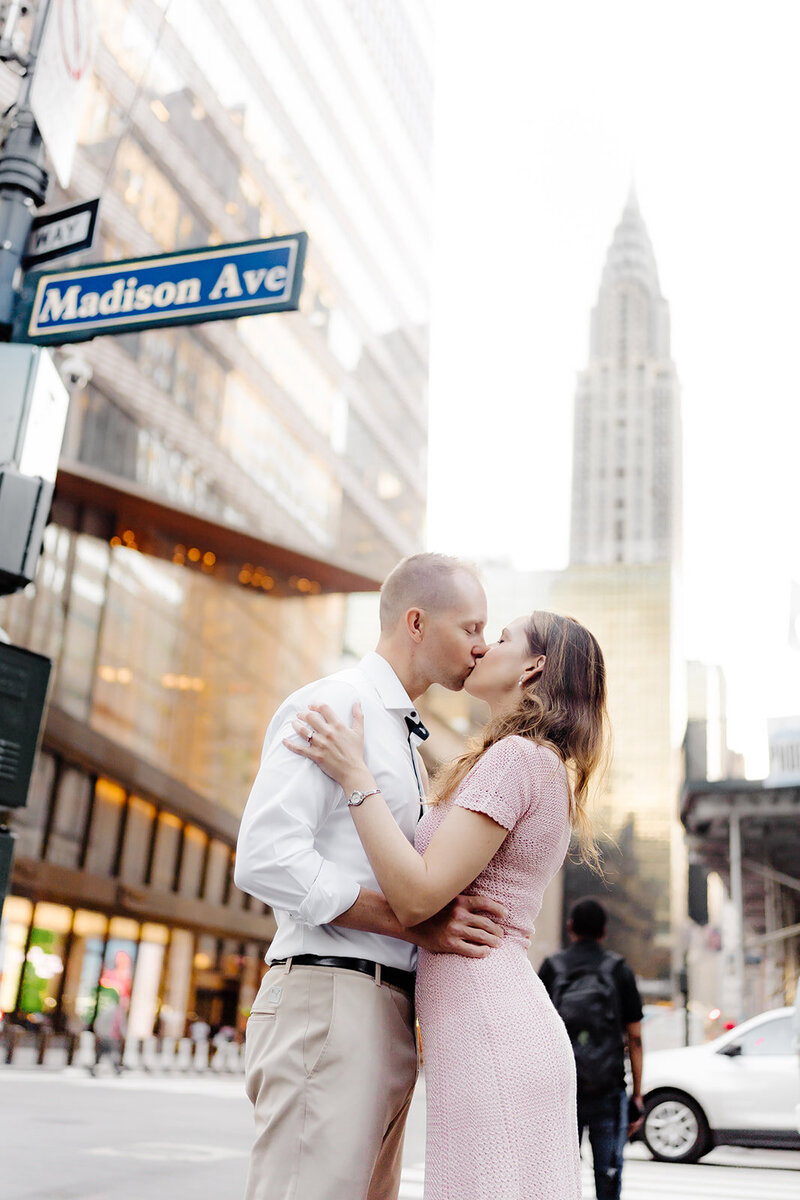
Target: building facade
{"type": "Point", "coordinates": [222, 486]}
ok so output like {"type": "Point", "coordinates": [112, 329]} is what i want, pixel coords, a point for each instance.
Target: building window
{"type": "Point", "coordinates": [219, 857]}
{"type": "Point", "coordinates": [165, 853]}
{"type": "Point", "coordinates": [73, 796]}
{"type": "Point", "coordinates": [190, 882]}
{"type": "Point", "coordinates": [138, 833]}
{"type": "Point", "coordinates": [109, 804]}
{"type": "Point", "coordinates": [44, 959]}
{"type": "Point", "coordinates": [29, 822]}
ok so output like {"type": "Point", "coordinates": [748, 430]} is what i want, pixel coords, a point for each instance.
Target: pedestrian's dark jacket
{"type": "Point", "coordinates": [585, 956]}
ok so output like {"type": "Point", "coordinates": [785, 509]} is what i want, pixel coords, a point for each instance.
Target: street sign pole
{"type": "Point", "coordinates": [23, 182]}
{"type": "Point", "coordinates": [23, 188]}
{"type": "Point", "coordinates": [57, 307]}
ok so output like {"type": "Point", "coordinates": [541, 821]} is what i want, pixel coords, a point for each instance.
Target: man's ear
{"type": "Point", "coordinates": [415, 624]}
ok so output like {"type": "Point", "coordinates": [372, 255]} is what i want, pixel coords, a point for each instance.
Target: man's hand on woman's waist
{"type": "Point", "coordinates": [467, 926]}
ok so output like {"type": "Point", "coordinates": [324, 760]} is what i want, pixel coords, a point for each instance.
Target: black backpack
{"type": "Point", "coordinates": [587, 1001]}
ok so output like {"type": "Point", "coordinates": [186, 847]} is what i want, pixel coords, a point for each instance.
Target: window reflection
{"type": "Point", "coordinates": [44, 961]}
{"type": "Point", "coordinates": [72, 799]}
{"type": "Point", "coordinates": [165, 853]}
{"type": "Point", "coordinates": [104, 829]}
{"type": "Point", "coordinates": [771, 1038]}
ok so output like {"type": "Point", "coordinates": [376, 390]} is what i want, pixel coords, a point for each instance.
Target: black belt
{"type": "Point", "coordinates": [393, 976]}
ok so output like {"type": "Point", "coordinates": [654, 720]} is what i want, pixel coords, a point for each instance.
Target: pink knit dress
{"type": "Point", "coordinates": [499, 1067]}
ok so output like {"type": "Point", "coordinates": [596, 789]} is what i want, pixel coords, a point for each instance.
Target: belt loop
{"type": "Point", "coordinates": [378, 974]}
{"type": "Point", "coordinates": [288, 965]}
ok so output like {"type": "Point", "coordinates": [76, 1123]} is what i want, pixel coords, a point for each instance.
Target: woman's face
{"type": "Point", "coordinates": [496, 677]}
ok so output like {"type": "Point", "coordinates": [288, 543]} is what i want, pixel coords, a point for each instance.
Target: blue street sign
{"type": "Point", "coordinates": [206, 284]}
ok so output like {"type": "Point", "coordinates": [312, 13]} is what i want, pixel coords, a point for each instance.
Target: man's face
{"type": "Point", "coordinates": [453, 640]}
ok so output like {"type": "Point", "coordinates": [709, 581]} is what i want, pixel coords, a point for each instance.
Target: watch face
{"type": "Point", "coordinates": [359, 797]}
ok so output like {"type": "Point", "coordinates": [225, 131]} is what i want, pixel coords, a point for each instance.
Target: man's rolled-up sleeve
{"type": "Point", "coordinates": [276, 859]}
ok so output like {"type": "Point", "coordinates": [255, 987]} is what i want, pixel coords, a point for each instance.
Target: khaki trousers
{"type": "Point", "coordinates": [330, 1063]}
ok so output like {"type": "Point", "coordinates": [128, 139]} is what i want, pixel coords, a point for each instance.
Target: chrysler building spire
{"type": "Point", "coordinates": [626, 457]}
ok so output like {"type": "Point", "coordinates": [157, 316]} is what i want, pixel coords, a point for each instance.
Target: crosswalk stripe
{"type": "Point", "coordinates": [651, 1181]}
{"type": "Point", "coordinates": [412, 1185]}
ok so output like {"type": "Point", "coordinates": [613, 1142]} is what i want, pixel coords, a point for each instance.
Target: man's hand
{"type": "Point", "coordinates": [467, 926]}
{"type": "Point", "coordinates": [635, 1126]}
{"type": "Point", "coordinates": [633, 1035]}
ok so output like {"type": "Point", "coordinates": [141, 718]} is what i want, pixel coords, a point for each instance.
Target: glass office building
{"type": "Point", "coordinates": [222, 487]}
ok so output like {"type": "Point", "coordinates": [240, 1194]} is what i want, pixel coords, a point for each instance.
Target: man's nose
{"type": "Point", "coordinates": [479, 648]}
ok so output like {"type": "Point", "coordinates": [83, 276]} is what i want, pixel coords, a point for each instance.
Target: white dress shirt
{"type": "Point", "coordinates": [298, 849]}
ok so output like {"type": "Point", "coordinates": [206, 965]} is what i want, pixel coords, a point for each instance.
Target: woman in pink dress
{"type": "Point", "coordinates": [499, 1066]}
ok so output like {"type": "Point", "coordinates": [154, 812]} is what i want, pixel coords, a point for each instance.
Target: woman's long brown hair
{"type": "Point", "coordinates": [564, 708]}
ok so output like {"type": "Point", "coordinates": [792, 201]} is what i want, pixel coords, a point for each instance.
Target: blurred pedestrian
{"type": "Point", "coordinates": [109, 1029]}
{"type": "Point", "coordinates": [500, 1073]}
{"type": "Point", "coordinates": [596, 995]}
{"type": "Point", "coordinates": [331, 1052]}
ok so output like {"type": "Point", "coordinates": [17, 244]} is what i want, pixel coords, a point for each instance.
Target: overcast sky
{"type": "Point", "coordinates": [545, 113]}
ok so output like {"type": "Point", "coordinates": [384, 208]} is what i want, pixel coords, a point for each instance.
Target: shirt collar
{"type": "Point", "coordinates": [383, 678]}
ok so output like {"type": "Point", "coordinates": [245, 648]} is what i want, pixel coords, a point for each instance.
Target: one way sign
{"type": "Point", "coordinates": [66, 231]}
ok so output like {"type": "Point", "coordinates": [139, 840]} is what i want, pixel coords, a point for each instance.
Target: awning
{"type": "Point", "coordinates": [769, 824]}
{"type": "Point", "coordinates": [123, 513]}
{"type": "Point", "coordinates": [749, 832]}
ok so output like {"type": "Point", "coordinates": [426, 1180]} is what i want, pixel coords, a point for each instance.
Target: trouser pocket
{"type": "Point", "coordinates": [320, 1015]}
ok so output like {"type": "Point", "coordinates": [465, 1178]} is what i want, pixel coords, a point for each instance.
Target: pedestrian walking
{"type": "Point", "coordinates": [595, 993]}
{"type": "Point", "coordinates": [500, 1073]}
{"type": "Point", "coordinates": [331, 1050]}
{"type": "Point", "coordinates": [109, 1029]}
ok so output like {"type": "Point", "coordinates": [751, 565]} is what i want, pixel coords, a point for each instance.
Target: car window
{"type": "Point", "coordinates": [773, 1037]}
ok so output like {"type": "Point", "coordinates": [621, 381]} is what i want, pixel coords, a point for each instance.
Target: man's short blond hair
{"type": "Point", "coordinates": [424, 581]}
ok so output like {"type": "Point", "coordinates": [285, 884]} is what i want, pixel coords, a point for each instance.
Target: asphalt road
{"type": "Point", "coordinates": [66, 1136]}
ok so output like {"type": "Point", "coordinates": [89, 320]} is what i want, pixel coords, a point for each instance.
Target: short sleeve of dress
{"type": "Point", "coordinates": [502, 784]}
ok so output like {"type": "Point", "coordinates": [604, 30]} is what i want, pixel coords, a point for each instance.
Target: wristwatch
{"type": "Point", "coordinates": [356, 798]}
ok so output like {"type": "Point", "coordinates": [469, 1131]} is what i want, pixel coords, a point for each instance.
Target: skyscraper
{"type": "Point", "coordinates": [623, 581]}
{"type": "Point", "coordinates": [626, 482]}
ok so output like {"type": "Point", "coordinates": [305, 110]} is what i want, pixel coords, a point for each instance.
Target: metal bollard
{"type": "Point", "coordinates": [12, 1033]}
{"type": "Point", "coordinates": [218, 1061]}
{"type": "Point", "coordinates": [150, 1059]}
{"type": "Point", "coordinates": [183, 1060]}
{"type": "Point", "coordinates": [86, 1049]}
{"type": "Point", "coordinates": [168, 1053]}
{"type": "Point", "coordinates": [233, 1057]}
{"type": "Point", "coordinates": [201, 1057]}
{"type": "Point", "coordinates": [42, 1042]}
{"type": "Point", "coordinates": [132, 1053]}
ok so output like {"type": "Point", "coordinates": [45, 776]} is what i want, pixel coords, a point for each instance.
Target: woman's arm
{"type": "Point", "coordinates": [416, 886]}
{"type": "Point", "coordinates": [469, 925]}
